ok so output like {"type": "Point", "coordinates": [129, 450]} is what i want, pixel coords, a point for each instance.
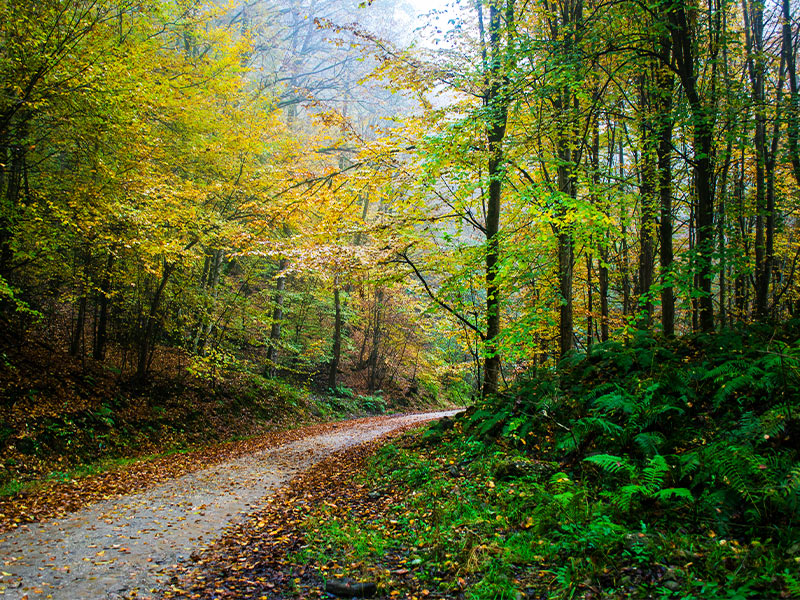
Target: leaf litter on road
{"type": "Point", "coordinates": [56, 499]}
{"type": "Point", "coordinates": [263, 558]}
{"type": "Point", "coordinates": [124, 547]}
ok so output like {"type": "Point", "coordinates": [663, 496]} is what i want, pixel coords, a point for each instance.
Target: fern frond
{"type": "Point", "coordinates": [611, 463]}
{"type": "Point", "coordinates": [617, 401]}
{"type": "Point", "coordinates": [650, 442]}
{"type": "Point", "coordinates": [689, 463]}
{"type": "Point", "coordinates": [653, 474]}
{"type": "Point", "coordinates": [727, 370]}
{"type": "Point", "coordinates": [587, 424]}
{"type": "Point", "coordinates": [623, 497]}
{"type": "Point", "coordinates": [673, 493]}
{"type": "Point", "coordinates": [792, 485]}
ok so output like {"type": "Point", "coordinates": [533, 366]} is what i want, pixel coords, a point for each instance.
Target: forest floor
{"type": "Point", "coordinates": [157, 518]}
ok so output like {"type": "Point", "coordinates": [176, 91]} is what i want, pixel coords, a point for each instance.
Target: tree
{"type": "Point", "coordinates": [498, 57]}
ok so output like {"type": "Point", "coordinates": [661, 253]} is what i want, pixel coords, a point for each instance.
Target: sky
{"type": "Point", "coordinates": [424, 9]}
{"type": "Point", "coordinates": [424, 6]}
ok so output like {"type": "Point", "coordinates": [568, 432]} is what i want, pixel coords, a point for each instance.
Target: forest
{"type": "Point", "coordinates": [577, 218]}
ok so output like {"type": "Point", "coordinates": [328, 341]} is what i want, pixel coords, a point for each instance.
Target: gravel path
{"type": "Point", "coordinates": [120, 546]}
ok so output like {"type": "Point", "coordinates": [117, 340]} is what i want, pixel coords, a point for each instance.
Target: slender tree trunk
{"type": "Point", "coordinates": [337, 335]}
{"type": "Point", "coordinates": [603, 284]}
{"type": "Point", "coordinates": [566, 263]}
{"type": "Point", "coordinates": [104, 299]}
{"type": "Point", "coordinates": [647, 189]}
{"type": "Point", "coordinates": [148, 329]}
{"type": "Point", "coordinates": [602, 270]}
{"type": "Point", "coordinates": [793, 111]}
{"type": "Point", "coordinates": [373, 362]}
{"type": "Point", "coordinates": [721, 222]}
{"type": "Point", "coordinates": [753, 14]}
{"type": "Point", "coordinates": [589, 303]}
{"type": "Point", "coordinates": [665, 84]}
{"type": "Point", "coordinates": [12, 178]}
{"type": "Point", "coordinates": [83, 256]}
{"type": "Point", "coordinates": [80, 325]}
{"type": "Point", "coordinates": [623, 253]}
{"type": "Point", "coordinates": [564, 30]}
{"type": "Point", "coordinates": [496, 63]}
{"type": "Point", "coordinates": [665, 229]}
{"type": "Point", "coordinates": [740, 283]}
{"type": "Point", "coordinates": [277, 318]}
{"type": "Point", "coordinates": [693, 266]}
{"type": "Point", "coordinates": [703, 115]}
{"type": "Point", "coordinates": [566, 253]}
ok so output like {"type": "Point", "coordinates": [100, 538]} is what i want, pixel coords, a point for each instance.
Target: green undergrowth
{"type": "Point", "coordinates": [342, 400]}
{"type": "Point", "coordinates": [652, 469]}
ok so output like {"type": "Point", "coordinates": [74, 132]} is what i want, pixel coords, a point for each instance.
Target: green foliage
{"type": "Point", "coordinates": [343, 401]}
{"type": "Point", "coordinates": [647, 483]}
{"type": "Point", "coordinates": [691, 439]}
{"type": "Point", "coordinates": [463, 530]}
{"type": "Point", "coordinates": [342, 392]}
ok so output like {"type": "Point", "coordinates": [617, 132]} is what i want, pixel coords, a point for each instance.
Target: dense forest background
{"type": "Point", "coordinates": [301, 189]}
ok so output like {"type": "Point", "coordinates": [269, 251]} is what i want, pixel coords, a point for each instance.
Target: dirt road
{"type": "Point", "coordinates": [121, 546]}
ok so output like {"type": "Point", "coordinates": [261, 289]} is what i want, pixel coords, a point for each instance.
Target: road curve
{"type": "Point", "coordinates": [119, 548]}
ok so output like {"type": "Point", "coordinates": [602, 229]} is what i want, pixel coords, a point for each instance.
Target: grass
{"type": "Point", "coordinates": [10, 488]}
{"type": "Point", "coordinates": [106, 465]}
{"type": "Point", "coordinates": [96, 468]}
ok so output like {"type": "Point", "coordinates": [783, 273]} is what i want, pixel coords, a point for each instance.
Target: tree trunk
{"type": "Point", "coordinates": [624, 266]}
{"type": "Point", "coordinates": [337, 335]}
{"type": "Point", "coordinates": [666, 86]}
{"type": "Point", "coordinates": [374, 354]}
{"type": "Point", "coordinates": [602, 272]}
{"type": "Point", "coordinates": [566, 104]}
{"type": "Point", "coordinates": [148, 328]}
{"type": "Point", "coordinates": [104, 299]}
{"type": "Point", "coordinates": [566, 262]}
{"type": "Point", "coordinates": [80, 325]}
{"type": "Point", "coordinates": [793, 112]}
{"type": "Point", "coordinates": [496, 102]}
{"type": "Point", "coordinates": [603, 284]}
{"type": "Point", "coordinates": [665, 231]}
{"type": "Point", "coordinates": [753, 14]}
{"type": "Point", "coordinates": [721, 211]}
{"type": "Point", "coordinates": [589, 303]}
{"type": "Point", "coordinates": [277, 318]}
{"type": "Point", "coordinates": [647, 188]}
{"type": "Point", "coordinates": [703, 115]}
{"type": "Point", "coordinates": [740, 282]}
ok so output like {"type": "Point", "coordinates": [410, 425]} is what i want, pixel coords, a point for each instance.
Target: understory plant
{"type": "Point", "coordinates": [649, 469]}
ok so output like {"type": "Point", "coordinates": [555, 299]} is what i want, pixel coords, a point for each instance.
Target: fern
{"type": "Point", "coordinates": [650, 442]}
{"type": "Point", "coordinates": [649, 483]}
{"type": "Point", "coordinates": [727, 370]}
{"type": "Point", "coordinates": [624, 496]}
{"type": "Point", "coordinates": [652, 478]}
{"type": "Point", "coordinates": [790, 490]}
{"type": "Point", "coordinates": [736, 467]}
{"type": "Point", "coordinates": [611, 463]}
{"type": "Point", "coordinates": [689, 463]}
{"type": "Point", "coordinates": [792, 583]}
{"type": "Point", "coordinates": [617, 401]}
{"type": "Point", "coordinates": [673, 493]}
{"type": "Point", "coordinates": [599, 423]}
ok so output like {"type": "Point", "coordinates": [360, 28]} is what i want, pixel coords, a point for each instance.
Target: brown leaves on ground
{"type": "Point", "coordinates": [255, 558]}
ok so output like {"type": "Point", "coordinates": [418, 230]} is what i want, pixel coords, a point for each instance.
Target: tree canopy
{"type": "Point", "coordinates": [299, 189]}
